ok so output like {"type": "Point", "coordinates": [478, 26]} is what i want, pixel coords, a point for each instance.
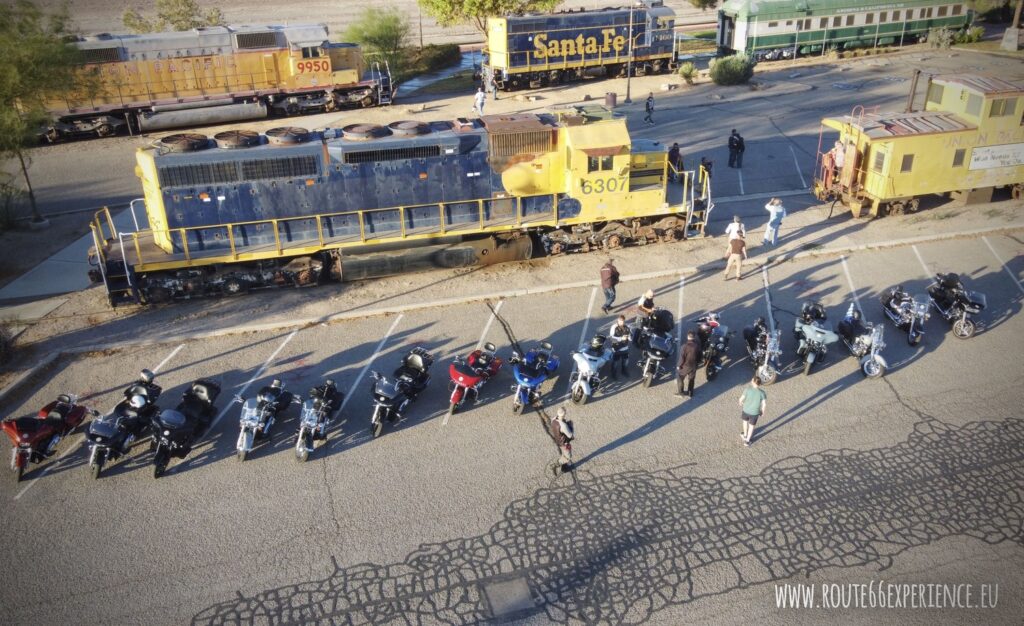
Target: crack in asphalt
{"type": "Point", "coordinates": [330, 495]}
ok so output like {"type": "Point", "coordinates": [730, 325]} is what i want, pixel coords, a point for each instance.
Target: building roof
{"type": "Point", "coordinates": [774, 9]}
{"type": "Point", "coordinates": [882, 125]}
{"type": "Point", "coordinates": [986, 85]}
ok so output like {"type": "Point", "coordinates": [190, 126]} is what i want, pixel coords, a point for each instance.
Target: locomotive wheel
{"type": "Point", "coordinates": [913, 205]}
{"type": "Point", "coordinates": [291, 108]}
{"type": "Point", "coordinates": [366, 102]}
{"type": "Point", "coordinates": [234, 287]}
{"type": "Point", "coordinates": [158, 295]}
{"type": "Point", "coordinates": [896, 208]}
{"type": "Point", "coordinates": [304, 277]}
{"type": "Point", "coordinates": [104, 130]}
{"type": "Point", "coordinates": [613, 241]}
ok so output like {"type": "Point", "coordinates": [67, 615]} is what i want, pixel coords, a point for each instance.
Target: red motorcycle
{"type": "Point", "coordinates": [34, 438]}
{"type": "Point", "coordinates": [470, 374]}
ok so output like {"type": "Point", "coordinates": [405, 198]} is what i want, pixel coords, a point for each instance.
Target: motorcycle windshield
{"type": "Point", "coordinates": [659, 345]}
{"type": "Point", "coordinates": [308, 415]}
{"type": "Point", "coordinates": [250, 412]}
{"type": "Point", "coordinates": [976, 299]}
{"type": "Point", "coordinates": [463, 374]}
{"type": "Point", "coordinates": [105, 428]}
{"type": "Point", "coordinates": [385, 389]}
{"type": "Point", "coordinates": [919, 306]}
{"type": "Point", "coordinates": [172, 419]}
{"type": "Point", "coordinates": [586, 363]}
{"type": "Point", "coordinates": [528, 376]}
{"type": "Point", "coordinates": [819, 334]}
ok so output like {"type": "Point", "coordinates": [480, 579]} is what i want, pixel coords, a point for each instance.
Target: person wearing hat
{"type": "Point", "coordinates": [775, 214]}
{"type": "Point", "coordinates": [645, 304]}
{"type": "Point", "coordinates": [562, 432]}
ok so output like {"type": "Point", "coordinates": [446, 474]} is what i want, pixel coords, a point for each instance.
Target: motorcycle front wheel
{"type": "Point", "coordinates": [648, 378]}
{"type": "Point", "coordinates": [517, 406]}
{"type": "Point", "coordinates": [710, 371]}
{"type": "Point", "coordinates": [872, 368]}
{"type": "Point", "coordinates": [809, 362]}
{"type": "Point", "coordinates": [767, 375]}
{"type": "Point", "coordinates": [96, 467]}
{"type": "Point", "coordinates": [302, 447]}
{"type": "Point", "coordinates": [20, 472]}
{"type": "Point", "coordinates": [578, 397]}
{"type": "Point", "coordinates": [963, 328]}
{"type": "Point", "coordinates": [160, 462]}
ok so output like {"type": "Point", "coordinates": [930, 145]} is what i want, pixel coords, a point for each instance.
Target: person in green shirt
{"type": "Point", "coordinates": [752, 404]}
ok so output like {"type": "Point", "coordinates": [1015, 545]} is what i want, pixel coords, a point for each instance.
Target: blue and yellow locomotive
{"type": "Point", "coordinates": [291, 207]}
{"type": "Point", "coordinates": [538, 50]}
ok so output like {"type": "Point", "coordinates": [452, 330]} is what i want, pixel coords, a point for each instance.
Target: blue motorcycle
{"type": "Point", "coordinates": [530, 372]}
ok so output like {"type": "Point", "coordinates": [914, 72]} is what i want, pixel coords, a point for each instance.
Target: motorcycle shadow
{"type": "Point", "coordinates": [807, 405]}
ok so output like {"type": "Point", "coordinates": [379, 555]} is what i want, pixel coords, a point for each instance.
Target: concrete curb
{"type": "Point", "coordinates": [404, 308]}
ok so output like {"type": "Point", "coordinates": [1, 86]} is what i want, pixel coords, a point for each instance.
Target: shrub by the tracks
{"type": "Point", "coordinates": [734, 70]}
{"type": "Point", "coordinates": [430, 58]}
{"type": "Point", "coordinates": [974, 34]}
{"type": "Point", "coordinates": [10, 201]}
{"type": "Point", "coordinates": [941, 38]}
{"type": "Point", "coordinates": [688, 71]}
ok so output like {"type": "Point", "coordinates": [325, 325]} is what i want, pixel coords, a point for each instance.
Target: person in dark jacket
{"type": "Point", "coordinates": [649, 109]}
{"type": "Point", "coordinates": [562, 432]}
{"type": "Point", "coordinates": [736, 149]}
{"type": "Point", "coordinates": [609, 279]}
{"type": "Point", "coordinates": [687, 370]}
{"type": "Point", "coordinates": [620, 335]}
{"type": "Point", "coordinates": [673, 161]}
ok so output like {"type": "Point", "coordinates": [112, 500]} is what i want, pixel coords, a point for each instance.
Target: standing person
{"type": "Point", "coordinates": [609, 279]}
{"type": "Point", "coordinates": [493, 84]}
{"type": "Point", "coordinates": [620, 345]}
{"type": "Point", "coordinates": [646, 304]}
{"type": "Point", "coordinates": [775, 214]}
{"type": "Point", "coordinates": [741, 147]}
{"type": "Point", "coordinates": [649, 108]}
{"type": "Point", "coordinates": [734, 147]}
{"type": "Point", "coordinates": [673, 161]}
{"type": "Point", "coordinates": [687, 370]}
{"type": "Point", "coordinates": [753, 401]}
{"type": "Point", "coordinates": [562, 432]}
{"type": "Point", "coordinates": [478, 101]}
{"type": "Point", "coordinates": [736, 228]}
{"type": "Point", "coordinates": [706, 164]}
{"type": "Point", "coordinates": [735, 253]}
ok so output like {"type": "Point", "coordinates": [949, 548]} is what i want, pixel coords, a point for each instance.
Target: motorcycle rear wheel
{"type": "Point", "coordinates": [578, 397]}
{"type": "Point", "coordinates": [964, 329]}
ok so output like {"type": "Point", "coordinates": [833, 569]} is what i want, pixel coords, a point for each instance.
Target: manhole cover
{"type": "Point", "coordinates": [509, 597]}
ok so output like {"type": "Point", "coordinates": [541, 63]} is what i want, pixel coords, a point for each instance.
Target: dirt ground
{"type": "Point", "coordinates": [94, 16]}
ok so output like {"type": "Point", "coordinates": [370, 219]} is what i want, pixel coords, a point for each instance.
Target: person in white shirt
{"type": "Point", "coordinates": [775, 214]}
{"type": "Point", "coordinates": [478, 101]}
{"type": "Point", "coordinates": [735, 229]}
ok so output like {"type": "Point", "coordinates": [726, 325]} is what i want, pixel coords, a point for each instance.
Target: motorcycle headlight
{"type": "Point", "coordinates": [167, 433]}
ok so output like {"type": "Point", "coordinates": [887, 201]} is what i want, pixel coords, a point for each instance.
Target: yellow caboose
{"type": "Point", "coordinates": [967, 142]}
{"type": "Point", "coordinates": [213, 75]}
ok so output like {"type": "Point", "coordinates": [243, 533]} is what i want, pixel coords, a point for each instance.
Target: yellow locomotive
{"type": "Point", "coordinates": [292, 207]}
{"type": "Point", "coordinates": [214, 75]}
{"type": "Point", "coordinates": [967, 142]}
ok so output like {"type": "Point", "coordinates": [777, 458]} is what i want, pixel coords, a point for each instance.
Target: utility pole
{"type": "Point", "coordinates": [421, 24]}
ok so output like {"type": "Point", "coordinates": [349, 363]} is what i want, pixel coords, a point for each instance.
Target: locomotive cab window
{"type": "Point", "coordinates": [599, 164]}
{"type": "Point", "coordinates": [908, 163]}
{"type": "Point", "coordinates": [311, 53]}
{"type": "Point", "coordinates": [958, 157]}
{"type": "Point", "coordinates": [1002, 107]}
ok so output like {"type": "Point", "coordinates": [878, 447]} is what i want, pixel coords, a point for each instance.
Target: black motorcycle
{"type": "Point", "coordinates": [864, 341]}
{"type": "Point", "coordinates": [653, 336]}
{"type": "Point", "coordinates": [909, 313]}
{"type": "Point", "coordinates": [764, 348]}
{"type": "Point", "coordinates": [956, 304]}
{"type": "Point", "coordinates": [259, 414]}
{"type": "Point", "coordinates": [812, 335]}
{"type": "Point", "coordinates": [317, 413]}
{"type": "Point", "coordinates": [392, 397]}
{"type": "Point", "coordinates": [111, 436]}
{"type": "Point", "coordinates": [176, 431]}
{"type": "Point", "coordinates": [714, 343]}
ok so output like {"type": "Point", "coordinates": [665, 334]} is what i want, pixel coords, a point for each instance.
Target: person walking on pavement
{"type": "Point", "coordinates": [775, 214]}
{"type": "Point", "coordinates": [620, 335]}
{"type": "Point", "coordinates": [753, 401]}
{"type": "Point", "coordinates": [478, 101]}
{"type": "Point", "coordinates": [562, 432]}
{"type": "Point", "coordinates": [735, 253]}
{"type": "Point", "coordinates": [735, 228]}
{"type": "Point", "coordinates": [609, 279]}
{"type": "Point", "coordinates": [687, 370]}
{"type": "Point", "coordinates": [736, 149]}
{"type": "Point", "coordinates": [649, 109]}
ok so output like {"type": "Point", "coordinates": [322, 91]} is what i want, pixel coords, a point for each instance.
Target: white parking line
{"type": "Point", "coordinates": [1003, 263]}
{"type": "Point", "coordinates": [849, 281]}
{"type": "Point", "coordinates": [739, 170]}
{"type": "Point", "coordinates": [803, 183]}
{"type": "Point", "coordinates": [586, 320]}
{"type": "Point", "coordinates": [380, 346]}
{"type": "Point", "coordinates": [258, 373]}
{"type": "Point", "coordinates": [927, 271]}
{"type": "Point", "coordinates": [490, 320]}
{"type": "Point", "coordinates": [767, 297]}
{"type": "Point", "coordinates": [69, 448]}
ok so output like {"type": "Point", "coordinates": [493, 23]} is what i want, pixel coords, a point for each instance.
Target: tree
{"type": "Point", "coordinates": [39, 64]}
{"type": "Point", "coordinates": [452, 12]}
{"type": "Point", "coordinates": [704, 5]}
{"type": "Point", "coordinates": [172, 15]}
{"type": "Point", "coordinates": [382, 32]}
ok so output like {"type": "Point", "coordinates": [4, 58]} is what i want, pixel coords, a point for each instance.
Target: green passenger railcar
{"type": "Point", "coordinates": [769, 29]}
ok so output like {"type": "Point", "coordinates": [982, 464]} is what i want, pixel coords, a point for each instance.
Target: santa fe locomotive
{"type": "Point", "coordinates": [213, 75]}
{"type": "Point", "coordinates": [545, 49]}
{"type": "Point", "coordinates": [293, 207]}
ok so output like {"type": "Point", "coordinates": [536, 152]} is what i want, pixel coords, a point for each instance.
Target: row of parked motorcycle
{"type": "Point", "coordinates": [174, 432]}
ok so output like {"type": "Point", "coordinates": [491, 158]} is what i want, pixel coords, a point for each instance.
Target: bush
{"type": "Point", "coordinates": [430, 58]}
{"type": "Point", "coordinates": [11, 199]}
{"type": "Point", "coordinates": [383, 33]}
{"type": "Point", "coordinates": [973, 34]}
{"type": "Point", "coordinates": [941, 37]}
{"type": "Point", "coordinates": [734, 70]}
{"type": "Point", "coordinates": [687, 71]}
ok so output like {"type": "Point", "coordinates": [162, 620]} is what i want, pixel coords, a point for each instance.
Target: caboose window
{"type": "Point", "coordinates": [869, 18]}
{"type": "Point", "coordinates": [957, 8]}
{"type": "Point", "coordinates": [895, 16]}
{"type": "Point", "coordinates": [942, 11]}
{"type": "Point", "coordinates": [773, 24]}
{"type": "Point", "coordinates": [973, 105]}
{"type": "Point", "coordinates": [837, 22]}
{"type": "Point", "coordinates": [879, 161]}
{"type": "Point", "coordinates": [958, 157]}
{"type": "Point", "coordinates": [849, 20]}
{"type": "Point", "coordinates": [907, 164]}
{"type": "Point", "coordinates": [823, 23]}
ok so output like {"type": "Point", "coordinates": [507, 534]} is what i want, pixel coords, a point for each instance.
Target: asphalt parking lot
{"type": "Point", "coordinates": [460, 520]}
